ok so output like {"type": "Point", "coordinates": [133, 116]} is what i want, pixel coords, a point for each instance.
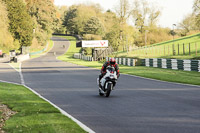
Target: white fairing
{"type": "Point", "coordinates": [108, 74]}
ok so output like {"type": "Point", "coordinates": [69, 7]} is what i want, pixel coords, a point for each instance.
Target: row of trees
{"type": "Point", "coordinates": [191, 22]}
{"type": "Point", "coordinates": [26, 22]}
{"type": "Point", "coordinates": [31, 22]}
{"type": "Point", "coordinates": [92, 23]}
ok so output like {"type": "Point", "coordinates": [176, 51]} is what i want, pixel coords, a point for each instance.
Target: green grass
{"type": "Point", "coordinates": [0, 114]}
{"type": "Point", "coordinates": [163, 74]}
{"type": "Point", "coordinates": [148, 72]}
{"type": "Point", "coordinates": [33, 113]}
{"type": "Point", "coordinates": [165, 49]}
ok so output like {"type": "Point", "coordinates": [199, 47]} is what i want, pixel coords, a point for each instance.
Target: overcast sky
{"type": "Point", "coordinates": [173, 11]}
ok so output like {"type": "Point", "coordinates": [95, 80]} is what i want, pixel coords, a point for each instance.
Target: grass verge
{"type": "Point", "coordinates": [48, 49]}
{"type": "Point", "coordinates": [178, 48]}
{"type": "Point", "coordinates": [33, 113]}
{"type": "Point", "coordinates": [148, 72]}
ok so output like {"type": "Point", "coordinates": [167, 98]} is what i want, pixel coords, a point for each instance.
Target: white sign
{"type": "Point", "coordinates": [95, 43]}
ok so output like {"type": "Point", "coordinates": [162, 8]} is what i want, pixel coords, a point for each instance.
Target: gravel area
{"type": "Point", "coordinates": [5, 114]}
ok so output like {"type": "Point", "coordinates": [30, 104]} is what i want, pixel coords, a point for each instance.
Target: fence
{"type": "Point", "coordinates": [186, 65]}
{"type": "Point", "coordinates": [83, 57]}
{"type": "Point", "coordinates": [101, 53]}
{"type": "Point", "coordinates": [169, 50]}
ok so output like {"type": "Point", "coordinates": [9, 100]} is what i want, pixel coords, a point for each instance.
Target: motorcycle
{"type": "Point", "coordinates": [108, 82]}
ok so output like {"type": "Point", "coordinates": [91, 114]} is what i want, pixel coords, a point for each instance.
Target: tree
{"type": "Point", "coordinates": [20, 23]}
{"type": "Point", "coordinates": [43, 12]}
{"type": "Point", "coordinates": [113, 37]}
{"type": "Point", "coordinates": [187, 24]}
{"type": "Point", "coordinates": [69, 20]}
{"type": "Point", "coordinates": [145, 17]}
{"type": "Point", "coordinates": [77, 16]}
{"type": "Point", "coordinates": [123, 11]}
{"type": "Point", "coordinates": [196, 6]}
{"type": "Point", "coordinates": [94, 26]}
{"type": "Point", "coordinates": [59, 27]}
{"type": "Point", "coordinates": [196, 11]}
{"type": "Point", "coordinates": [6, 39]}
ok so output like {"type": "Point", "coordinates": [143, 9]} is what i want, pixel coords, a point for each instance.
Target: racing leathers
{"type": "Point", "coordinates": [103, 70]}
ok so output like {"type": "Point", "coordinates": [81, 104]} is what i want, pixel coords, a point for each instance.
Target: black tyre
{"type": "Point", "coordinates": [107, 94]}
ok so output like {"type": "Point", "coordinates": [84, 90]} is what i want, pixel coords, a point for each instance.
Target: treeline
{"type": "Point", "coordinates": [191, 22]}
{"type": "Point", "coordinates": [130, 23]}
{"type": "Point", "coordinates": [89, 21]}
{"type": "Point", "coordinates": [26, 23]}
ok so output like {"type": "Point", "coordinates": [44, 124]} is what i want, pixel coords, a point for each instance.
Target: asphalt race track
{"type": "Point", "coordinates": [7, 73]}
{"type": "Point", "coordinates": [137, 105]}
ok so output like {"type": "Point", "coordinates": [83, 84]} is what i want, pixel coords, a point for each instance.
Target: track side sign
{"type": "Point", "coordinates": [94, 43]}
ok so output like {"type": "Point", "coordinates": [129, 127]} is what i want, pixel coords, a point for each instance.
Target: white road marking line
{"type": "Point", "coordinates": [9, 82]}
{"type": "Point", "coordinates": [21, 75]}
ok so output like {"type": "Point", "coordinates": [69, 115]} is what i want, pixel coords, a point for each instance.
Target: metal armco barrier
{"type": "Point", "coordinates": [186, 65]}
{"type": "Point", "coordinates": [83, 57]}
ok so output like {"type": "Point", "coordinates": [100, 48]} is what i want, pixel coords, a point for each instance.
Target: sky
{"type": "Point", "coordinates": [172, 11]}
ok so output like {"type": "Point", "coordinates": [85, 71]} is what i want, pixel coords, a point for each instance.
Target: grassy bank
{"type": "Point", "coordinates": [148, 72]}
{"type": "Point", "coordinates": [50, 45]}
{"type": "Point", "coordinates": [33, 113]}
{"type": "Point", "coordinates": [181, 48]}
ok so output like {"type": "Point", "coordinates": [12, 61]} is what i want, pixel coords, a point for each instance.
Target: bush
{"type": "Point", "coordinates": [91, 37]}
{"type": "Point", "coordinates": [6, 39]}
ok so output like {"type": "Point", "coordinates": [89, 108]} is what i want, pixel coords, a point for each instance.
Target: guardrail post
{"type": "Point", "coordinates": [174, 64]}
{"type": "Point", "coordinates": [164, 63]}
{"type": "Point", "coordinates": [147, 62]}
{"type": "Point", "coordinates": [187, 65]}
{"type": "Point", "coordinates": [117, 60]}
{"type": "Point", "coordinates": [199, 66]}
{"type": "Point", "coordinates": [129, 62]}
{"type": "Point", "coordinates": [124, 61]}
{"type": "Point", "coordinates": [155, 62]}
{"type": "Point", "coordinates": [120, 60]}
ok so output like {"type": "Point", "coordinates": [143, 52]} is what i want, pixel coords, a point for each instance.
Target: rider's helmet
{"type": "Point", "coordinates": [112, 61]}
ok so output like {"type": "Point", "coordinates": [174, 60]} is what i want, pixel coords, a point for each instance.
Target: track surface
{"type": "Point", "coordinates": [7, 73]}
{"type": "Point", "coordinates": [136, 106]}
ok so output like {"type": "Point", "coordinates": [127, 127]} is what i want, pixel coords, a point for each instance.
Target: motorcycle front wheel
{"type": "Point", "coordinates": [108, 90]}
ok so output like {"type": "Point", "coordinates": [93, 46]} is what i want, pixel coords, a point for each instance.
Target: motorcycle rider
{"type": "Point", "coordinates": [112, 63]}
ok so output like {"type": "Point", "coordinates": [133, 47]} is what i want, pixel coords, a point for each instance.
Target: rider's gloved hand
{"type": "Point", "coordinates": [118, 75]}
